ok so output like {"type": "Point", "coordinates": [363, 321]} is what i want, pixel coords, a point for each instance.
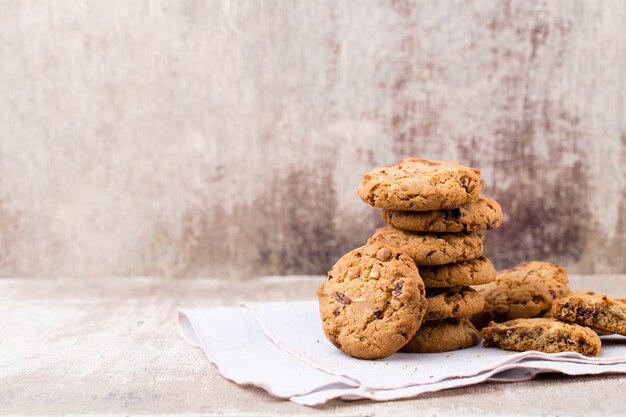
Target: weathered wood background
{"type": "Point", "coordinates": [224, 138]}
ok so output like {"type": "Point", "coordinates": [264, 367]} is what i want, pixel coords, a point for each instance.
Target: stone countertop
{"type": "Point", "coordinates": [111, 347]}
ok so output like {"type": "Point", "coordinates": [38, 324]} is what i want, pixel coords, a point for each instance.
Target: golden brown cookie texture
{"type": "Point", "coordinates": [473, 272]}
{"type": "Point", "coordinates": [544, 335]}
{"type": "Point", "coordinates": [420, 185]}
{"type": "Point", "coordinates": [595, 310]}
{"type": "Point", "coordinates": [458, 302]}
{"type": "Point", "coordinates": [373, 301]}
{"type": "Point", "coordinates": [483, 214]}
{"type": "Point", "coordinates": [443, 336]}
{"type": "Point", "coordinates": [525, 291]}
{"type": "Point", "coordinates": [431, 248]}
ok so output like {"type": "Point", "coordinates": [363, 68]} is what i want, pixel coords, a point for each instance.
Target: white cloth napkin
{"type": "Point", "coordinates": [281, 348]}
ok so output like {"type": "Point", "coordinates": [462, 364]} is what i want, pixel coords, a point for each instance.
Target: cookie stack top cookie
{"type": "Point", "coordinates": [419, 184]}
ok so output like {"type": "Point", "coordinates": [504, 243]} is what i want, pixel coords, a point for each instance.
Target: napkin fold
{"type": "Point", "coordinates": [281, 348]}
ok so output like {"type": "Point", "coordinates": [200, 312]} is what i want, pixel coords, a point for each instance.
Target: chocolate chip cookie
{"type": "Point", "coordinates": [443, 336]}
{"type": "Point", "coordinates": [483, 214]}
{"type": "Point", "coordinates": [475, 272]}
{"type": "Point", "coordinates": [420, 185]}
{"type": "Point", "coordinates": [432, 248]}
{"type": "Point", "coordinates": [544, 335]}
{"type": "Point", "coordinates": [457, 302]}
{"type": "Point", "coordinates": [373, 301]}
{"type": "Point", "coordinates": [595, 310]}
{"type": "Point", "coordinates": [525, 291]}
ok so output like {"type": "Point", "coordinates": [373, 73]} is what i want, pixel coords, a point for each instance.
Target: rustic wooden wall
{"type": "Point", "coordinates": [225, 138]}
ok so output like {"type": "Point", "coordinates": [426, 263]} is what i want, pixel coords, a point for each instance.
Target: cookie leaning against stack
{"type": "Point", "coordinates": [373, 301]}
{"type": "Point", "coordinates": [434, 212]}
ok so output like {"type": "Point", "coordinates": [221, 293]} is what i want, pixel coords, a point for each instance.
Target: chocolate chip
{"type": "Point", "coordinates": [532, 271]}
{"type": "Point", "coordinates": [397, 292]}
{"type": "Point", "coordinates": [585, 314]}
{"type": "Point", "coordinates": [468, 184]}
{"type": "Point", "coordinates": [433, 316]}
{"type": "Point", "coordinates": [491, 226]}
{"type": "Point", "coordinates": [342, 298]}
{"type": "Point", "coordinates": [383, 254]}
{"type": "Point", "coordinates": [378, 314]}
{"type": "Point", "coordinates": [330, 277]}
{"type": "Point", "coordinates": [552, 293]}
{"type": "Point", "coordinates": [336, 312]}
{"type": "Point", "coordinates": [456, 213]}
{"type": "Point", "coordinates": [334, 341]}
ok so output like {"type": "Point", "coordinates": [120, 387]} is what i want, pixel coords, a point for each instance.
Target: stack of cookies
{"type": "Point", "coordinates": [434, 213]}
{"type": "Point", "coordinates": [410, 287]}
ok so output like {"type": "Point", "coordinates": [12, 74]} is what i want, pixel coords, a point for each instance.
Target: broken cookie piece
{"type": "Point", "coordinates": [594, 310]}
{"type": "Point", "coordinates": [544, 335]}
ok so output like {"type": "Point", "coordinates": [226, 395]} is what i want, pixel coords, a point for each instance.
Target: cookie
{"type": "Point", "coordinates": [443, 336]}
{"type": "Point", "coordinates": [524, 291]}
{"type": "Point", "coordinates": [475, 272]}
{"type": "Point", "coordinates": [544, 335]}
{"type": "Point", "coordinates": [595, 310]}
{"type": "Point", "coordinates": [432, 248]}
{"type": "Point", "coordinates": [548, 314]}
{"type": "Point", "coordinates": [373, 301]}
{"type": "Point", "coordinates": [483, 214]}
{"type": "Point", "coordinates": [420, 185]}
{"type": "Point", "coordinates": [455, 302]}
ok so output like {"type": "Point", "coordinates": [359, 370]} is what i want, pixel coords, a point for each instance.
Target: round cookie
{"type": "Point", "coordinates": [483, 214]}
{"type": "Point", "coordinates": [525, 291]}
{"type": "Point", "coordinates": [373, 301]}
{"type": "Point", "coordinates": [443, 336]}
{"type": "Point", "coordinates": [474, 272]}
{"type": "Point", "coordinates": [432, 248]}
{"type": "Point", "coordinates": [420, 185]}
{"type": "Point", "coordinates": [457, 302]}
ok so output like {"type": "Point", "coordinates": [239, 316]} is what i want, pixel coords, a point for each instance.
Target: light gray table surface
{"type": "Point", "coordinates": [111, 347]}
